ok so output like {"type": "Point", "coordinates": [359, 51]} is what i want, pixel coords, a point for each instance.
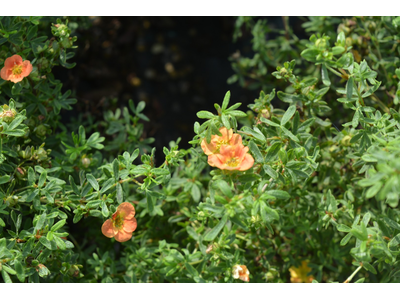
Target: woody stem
{"type": "Point", "coordinates": [352, 275]}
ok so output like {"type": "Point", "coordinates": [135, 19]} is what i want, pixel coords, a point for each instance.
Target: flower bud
{"type": "Point", "coordinates": [7, 115]}
{"type": "Point", "coordinates": [283, 71]}
{"type": "Point", "coordinates": [40, 130]}
{"type": "Point", "coordinates": [346, 141]}
{"type": "Point", "coordinates": [86, 162]}
{"type": "Point", "coordinates": [265, 113]}
{"type": "Point", "coordinates": [320, 43]}
{"type": "Point", "coordinates": [41, 153]}
{"type": "Point", "coordinates": [201, 215]}
{"type": "Point", "coordinates": [42, 63]}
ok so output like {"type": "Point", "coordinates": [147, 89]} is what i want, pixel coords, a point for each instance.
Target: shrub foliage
{"type": "Point", "coordinates": [312, 195]}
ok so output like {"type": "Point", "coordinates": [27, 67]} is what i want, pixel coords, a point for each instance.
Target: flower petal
{"type": "Point", "coordinates": [108, 229]}
{"type": "Point", "coordinates": [126, 210]}
{"type": "Point", "coordinates": [130, 225]}
{"type": "Point", "coordinates": [246, 163]}
{"type": "Point", "coordinates": [13, 60]}
{"type": "Point", "coordinates": [226, 134]}
{"type": "Point", "coordinates": [215, 161]}
{"type": "Point", "coordinates": [27, 68]}
{"type": "Point", "coordinates": [236, 139]}
{"type": "Point", "coordinates": [4, 74]}
{"type": "Point", "coordinates": [16, 78]}
{"type": "Point", "coordinates": [208, 149]}
{"type": "Point", "coordinates": [123, 236]}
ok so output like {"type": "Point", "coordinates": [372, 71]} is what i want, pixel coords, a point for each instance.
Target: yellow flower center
{"type": "Point", "coordinates": [118, 221]}
{"type": "Point", "coordinates": [220, 143]}
{"type": "Point", "coordinates": [17, 70]}
{"type": "Point", "coordinates": [233, 162]}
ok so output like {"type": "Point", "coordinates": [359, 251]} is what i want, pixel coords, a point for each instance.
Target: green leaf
{"type": "Point", "coordinates": [394, 241]}
{"type": "Point", "coordinates": [325, 76]}
{"type": "Point", "coordinates": [9, 270]}
{"type": "Point", "coordinates": [225, 188]}
{"type": "Point", "coordinates": [195, 192]}
{"type": "Point", "coordinates": [343, 228]}
{"type": "Point", "coordinates": [192, 233]}
{"type": "Point", "coordinates": [107, 185]}
{"type": "Point", "coordinates": [41, 221]}
{"type": "Point", "coordinates": [349, 88]}
{"type": "Point", "coordinates": [60, 243]}
{"type": "Point", "coordinates": [360, 232]}
{"type": "Point", "coordinates": [267, 213]}
{"type": "Point", "coordinates": [45, 242]}
{"type": "Point", "coordinates": [104, 209]}
{"type": "Point", "coordinates": [367, 266]}
{"type": "Point", "coordinates": [310, 54]}
{"type": "Point", "coordinates": [273, 151]}
{"type": "Point", "coordinates": [58, 225]}
{"type": "Point", "coordinates": [256, 152]}
{"type": "Point", "coordinates": [337, 50]}
{"type": "Point", "coordinates": [150, 204]}
{"type": "Point", "coordinates": [93, 182]}
{"type": "Point", "coordinates": [373, 190]}
{"type": "Point", "coordinates": [42, 179]}
{"type": "Point", "coordinates": [192, 271]}
{"type": "Point", "coordinates": [73, 185]}
{"type": "Point", "coordinates": [120, 193]}
{"type": "Point", "coordinates": [211, 235]}
{"type": "Point", "coordinates": [346, 239]}
{"type": "Point", "coordinates": [20, 271]}
{"type": "Point", "coordinates": [205, 115]}
{"type": "Point", "coordinates": [116, 168]}
{"type": "Point", "coordinates": [255, 133]}
{"type": "Point", "coordinates": [289, 134]}
{"type": "Point", "coordinates": [225, 103]}
{"type": "Point", "coordinates": [288, 114]}
{"type": "Point", "coordinates": [6, 277]}
{"type": "Point", "coordinates": [278, 194]}
{"type": "Point", "coordinates": [391, 223]}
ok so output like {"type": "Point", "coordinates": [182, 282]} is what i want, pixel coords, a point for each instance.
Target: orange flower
{"type": "Point", "coordinates": [241, 272]}
{"type": "Point", "coordinates": [232, 158]}
{"type": "Point", "coordinates": [122, 223]}
{"type": "Point", "coordinates": [299, 275]}
{"type": "Point", "coordinates": [227, 138]}
{"type": "Point", "coordinates": [15, 69]}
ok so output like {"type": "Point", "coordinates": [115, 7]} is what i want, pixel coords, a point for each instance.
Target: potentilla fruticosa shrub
{"type": "Point", "coordinates": [302, 187]}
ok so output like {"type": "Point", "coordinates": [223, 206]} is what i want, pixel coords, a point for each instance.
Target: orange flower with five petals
{"type": "Point", "coordinates": [15, 69]}
{"type": "Point", "coordinates": [122, 223]}
{"type": "Point", "coordinates": [227, 138]}
{"type": "Point", "coordinates": [232, 157]}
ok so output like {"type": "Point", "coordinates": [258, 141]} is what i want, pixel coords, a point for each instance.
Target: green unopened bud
{"type": "Point", "coordinates": [41, 153]}
{"type": "Point", "coordinates": [283, 71]}
{"type": "Point", "coordinates": [321, 43]}
{"type": "Point", "coordinates": [11, 201]}
{"type": "Point", "coordinates": [201, 215]}
{"type": "Point", "coordinates": [349, 41]}
{"type": "Point", "coordinates": [66, 43]}
{"type": "Point", "coordinates": [42, 63]}
{"type": "Point", "coordinates": [40, 130]}
{"type": "Point", "coordinates": [346, 141]}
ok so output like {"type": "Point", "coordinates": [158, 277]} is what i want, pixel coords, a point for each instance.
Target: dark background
{"type": "Point", "coordinates": [177, 65]}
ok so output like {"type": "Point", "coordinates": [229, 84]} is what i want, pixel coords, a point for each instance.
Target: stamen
{"type": "Point", "coordinates": [17, 70]}
{"type": "Point", "coordinates": [233, 162]}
